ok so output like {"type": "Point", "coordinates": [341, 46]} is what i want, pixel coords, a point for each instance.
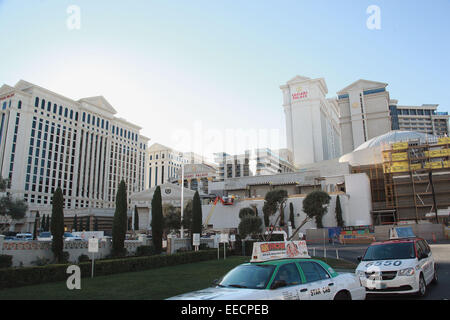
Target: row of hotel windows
{"type": "Point", "coordinates": [170, 157]}
{"type": "Point", "coordinates": [415, 112]}
{"type": "Point", "coordinates": [365, 92]}
{"type": "Point", "coordinates": [87, 118]}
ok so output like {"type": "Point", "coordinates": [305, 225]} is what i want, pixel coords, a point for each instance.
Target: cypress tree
{"type": "Point", "coordinates": [120, 220]}
{"type": "Point", "coordinates": [47, 223]}
{"type": "Point", "coordinates": [136, 219]}
{"type": "Point", "coordinates": [95, 224]}
{"type": "Point", "coordinates": [35, 228]}
{"type": "Point", "coordinates": [57, 224]}
{"type": "Point", "coordinates": [197, 215]}
{"type": "Point", "coordinates": [157, 220]}
{"type": "Point", "coordinates": [75, 223]}
{"type": "Point", "coordinates": [291, 215]}
{"type": "Point", "coordinates": [339, 220]}
{"type": "Point", "coordinates": [88, 223]}
{"type": "Point", "coordinates": [43, 223]}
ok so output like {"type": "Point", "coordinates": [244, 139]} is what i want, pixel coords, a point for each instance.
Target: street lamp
{"type": "Point", "coordinates": [182, 200]}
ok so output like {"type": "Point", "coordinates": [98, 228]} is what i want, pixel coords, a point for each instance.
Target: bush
{"type": "Point", "coordinates": [5, 261]}
{"type": "Point", "coordinates": [248, 247]}
{"type": "Point", "coordinates": [83, 258]}
{"type": "Point", "coordinates": [119, 254]}
{"type": "Point", "coordinates": [203, 246]}
{"type": "Point", "coordinates": [41, 261]}
{"type": "Point", "coordinates": [10, 278]}
{"type": "Point", "coordinates": [145, 251]}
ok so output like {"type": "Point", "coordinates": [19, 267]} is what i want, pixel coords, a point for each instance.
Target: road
{"type": "Point", "coordinates": [441, 253]}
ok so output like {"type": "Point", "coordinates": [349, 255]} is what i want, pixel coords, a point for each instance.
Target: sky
{"type": "Point", "coordinates": [204, 75]}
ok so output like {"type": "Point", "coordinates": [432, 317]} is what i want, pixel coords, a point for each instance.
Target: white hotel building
{"type": "Point", "coordinates": [312, 121]}
{"type": "Point", "coordinates": [47, 140]}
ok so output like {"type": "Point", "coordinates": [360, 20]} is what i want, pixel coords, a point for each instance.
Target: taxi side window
{"type": "Point", "coordinates": [426, 247]}
{"type": "Point", "coordinates": [313, 271]}
{"type": "Point", "coordinates": [423, 246]}
{"type": "Point", "coordinates": [288, 273]}
{"type": "Point", "coordinates": [419, 249]}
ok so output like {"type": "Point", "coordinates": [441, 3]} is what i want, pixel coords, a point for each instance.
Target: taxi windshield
{"type": "Point", "coordinates": [252, 276]}
{"type": "Point", "coordinates": [402, 250]}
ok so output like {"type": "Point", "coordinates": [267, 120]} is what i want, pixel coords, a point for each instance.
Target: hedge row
{"type": "Point", "coordinates": [5, 261]}
{"type": "Point", "coordinates": [10, 278]}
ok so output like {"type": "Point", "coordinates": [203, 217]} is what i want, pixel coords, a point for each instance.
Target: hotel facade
{"type": "Point", "coordinates": [313, 133]}
{"type": "Point", "coordinates": [49, 141]}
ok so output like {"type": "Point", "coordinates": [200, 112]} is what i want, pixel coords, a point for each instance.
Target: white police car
{"type": "Point", "coordinates": [397, 266]}
{"type": "Point", "coordinates": [282, 271]}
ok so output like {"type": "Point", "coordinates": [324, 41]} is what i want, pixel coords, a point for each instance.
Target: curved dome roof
{"type": "Point", "coordinates": [396, 136]}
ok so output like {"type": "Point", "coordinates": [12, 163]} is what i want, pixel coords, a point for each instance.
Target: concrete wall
{"type": "Point", "coordinates": [425, 230]}
{"type": "Point", "coordinates": [24, 253]}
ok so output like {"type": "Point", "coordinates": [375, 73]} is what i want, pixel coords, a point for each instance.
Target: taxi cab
{"type": "Point", "coordinates": [397, 266]}
{"type": "Point", "coordinates": [281, 271]}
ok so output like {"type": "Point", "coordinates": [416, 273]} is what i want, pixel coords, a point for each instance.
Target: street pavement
{"type": "Point", "coordinates": [441, 253]}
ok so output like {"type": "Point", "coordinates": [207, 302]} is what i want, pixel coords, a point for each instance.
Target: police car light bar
{"type": "Point", "coordinates": [267, 251]}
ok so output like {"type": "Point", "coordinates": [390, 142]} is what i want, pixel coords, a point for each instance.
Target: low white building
{"type": "Point", "coordinates": [170, 194]}
{"type": "Point", "coordinates": [355, 202]}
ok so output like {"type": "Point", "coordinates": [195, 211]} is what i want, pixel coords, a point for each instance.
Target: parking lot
{"type": "Point", "coordinates": [441, 254]}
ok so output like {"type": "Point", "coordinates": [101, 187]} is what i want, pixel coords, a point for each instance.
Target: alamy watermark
{"type": "Point", "coordinates": [74, 280]}
{"type": "Point", "coordinates": [374, 20]}
{"type": "Point", "coordinates": [73, 21]}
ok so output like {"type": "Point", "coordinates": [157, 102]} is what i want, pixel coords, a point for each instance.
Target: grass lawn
{"type": "Point", "coordinates": [155, 284]}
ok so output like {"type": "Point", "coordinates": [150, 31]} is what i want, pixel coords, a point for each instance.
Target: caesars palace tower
{"type": "Point", "coordinates": [312, 121]}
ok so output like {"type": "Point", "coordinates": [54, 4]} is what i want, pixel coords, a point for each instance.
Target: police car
{"type": "Point", "coordinates": [403, 265]}
{"type": "Point", "coordinates": [281, 271]}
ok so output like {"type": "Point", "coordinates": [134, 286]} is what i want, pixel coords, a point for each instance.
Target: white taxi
{"type": "Point", "coordinates": [397, 266]}
{"type": "Point", "coordinates": [282, 271]}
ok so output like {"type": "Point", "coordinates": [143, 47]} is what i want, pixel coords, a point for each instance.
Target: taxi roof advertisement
{"type": "Point", "coordinates": [266, 251]}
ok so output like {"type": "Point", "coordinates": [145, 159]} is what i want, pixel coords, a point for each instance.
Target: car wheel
{"type": "Point", "coordinates": [422, 286]}
{"type": "Point", "coordinates": [342, 295]}
{"type": "Point", "coordinates": [435, 276]}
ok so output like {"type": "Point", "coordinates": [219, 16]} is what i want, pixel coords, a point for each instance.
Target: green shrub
{"type": "Point", "coordinates": [41, 261]}
{"type": "Point", "coordinates": [83, 258]}
{"type": "Point", "coordinates": [5, 261]}
{"type": "Point", "coordinates": [145, 251]}
{"type": "Point", "coordinates": [10, 278]}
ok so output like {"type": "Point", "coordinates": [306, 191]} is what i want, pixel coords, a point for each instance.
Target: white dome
{"type": "Point", "coordinates": [396, 136]}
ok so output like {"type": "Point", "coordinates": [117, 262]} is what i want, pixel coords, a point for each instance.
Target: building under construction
{"type": "Point", "coordinates": [410, 180]}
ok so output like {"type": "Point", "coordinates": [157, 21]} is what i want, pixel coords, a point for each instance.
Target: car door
{"type": "Point", "coordinates": [427, 261]}
{"type": "Point", "coordinates": [319, 284]}
{"type": "Point", "coordinates": [285, 285]}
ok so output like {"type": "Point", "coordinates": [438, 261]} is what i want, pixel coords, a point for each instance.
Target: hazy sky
{"type": "Point", "coordinates": [203, 75]}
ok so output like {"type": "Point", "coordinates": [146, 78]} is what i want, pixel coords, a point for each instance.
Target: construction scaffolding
{"type": "Point", "coordinates": [417, 178]}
